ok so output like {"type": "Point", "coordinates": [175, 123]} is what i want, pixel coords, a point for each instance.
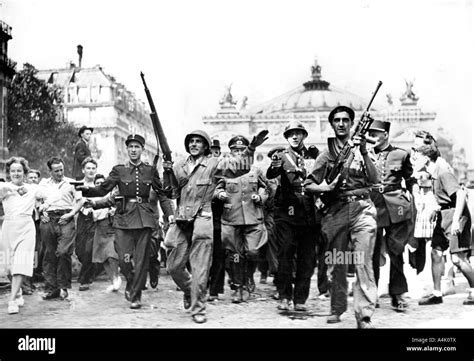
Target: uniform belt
{"type": "Point", "coordinates": [386, 188]}
{"type": "Point", "coordinates": [58, 212]}
{"type": "Point", "coordinates": [136, 199]}
{"type": "Point", "coordinates": [294, 188]}
{"type": "Point", "coordinates": [353, 197]}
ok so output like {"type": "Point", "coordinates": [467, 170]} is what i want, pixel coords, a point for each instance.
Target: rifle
{"type": "Point", "coordinates": [168, 177]}
{"type": "Point", "coordinates": [361, 129]}
{"type": "Point", "coordinates": [160, 135]}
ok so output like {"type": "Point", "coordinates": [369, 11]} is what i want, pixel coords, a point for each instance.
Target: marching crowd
{"type": "Point", "coordinates": [220, 215]}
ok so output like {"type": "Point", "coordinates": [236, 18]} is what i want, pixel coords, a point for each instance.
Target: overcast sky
{"type": "Point", "coordinates": [191, 50]}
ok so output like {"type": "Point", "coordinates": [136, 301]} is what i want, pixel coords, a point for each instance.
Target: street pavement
{"type": "Point", "coordinates": [162, 308]}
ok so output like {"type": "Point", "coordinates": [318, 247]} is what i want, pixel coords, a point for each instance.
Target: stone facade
{"type": "Point", "coordinates": [311, 104]}
{"type": "Point", "coordinates": [96, 99]}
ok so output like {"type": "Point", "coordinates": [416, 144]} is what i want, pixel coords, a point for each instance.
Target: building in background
{"type": "Point", "coordinates": [311, 104]}
{"type": "Point", "coordinates": [7, 70]}
{"type": "Point", "coordinates": [98, 100]}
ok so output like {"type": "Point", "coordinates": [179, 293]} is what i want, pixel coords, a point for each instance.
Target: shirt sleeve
{"type": "Point", "coordinates": [166, 205]}
{"type": "Point", "coordinates": [407, 172]}
{"type": "Point", "coordinates": [263, 188]}
{"type": "Point", "coordinates": [219, 187]}
{"type": "Point", "coordinates": [320, 169]}
{"type": "Point", "coordinates": [449, 182]}
{"type": "Point", "coordinates": [112, 180]}
{"type": "Point", "coordinates": [5, 189]}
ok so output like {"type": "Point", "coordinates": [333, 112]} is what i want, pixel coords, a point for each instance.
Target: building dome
{"type": "Point", "coordinates": [314, 95]}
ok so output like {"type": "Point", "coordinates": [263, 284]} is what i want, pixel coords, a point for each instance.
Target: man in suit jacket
{"type": "Point", "coordinates": [394, 208]}
{"type": "Point", "coordinates": [81, 151]}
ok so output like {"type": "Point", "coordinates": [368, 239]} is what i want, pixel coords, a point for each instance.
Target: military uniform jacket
{"type": "Point", "coordinates": [391, 201]}
{"type": "Point", "coordinates": [166, 206]}
{"type": "Point", "coordinates": [196, 188]}
{"type": "Point", "coordinates": [291, 202]}
{"type": "Point", "coordinates": [81, 152]}
{"type": "Point", "coordinates": [133, 181]}
{"type": "Point", "coordinates": [239, 208]}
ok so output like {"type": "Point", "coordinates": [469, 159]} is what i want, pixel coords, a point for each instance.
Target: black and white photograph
{"type": "Point", "coordinates": [264, 165]}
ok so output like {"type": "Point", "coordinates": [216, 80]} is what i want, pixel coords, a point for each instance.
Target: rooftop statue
{"type": "Point", "coordinates": [316, 70]}
{"type": "Point", "coordinates": [409, 94]}
{"type": "Point", "coordinates": [244, 103]}
{"type": "Point", "coordinates": [228, 98]}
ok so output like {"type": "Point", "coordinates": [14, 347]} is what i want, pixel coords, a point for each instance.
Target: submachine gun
{"type": "Point", "coordinates": [168, 177]}
{"type": "Point", "coordinates": [362, 128]}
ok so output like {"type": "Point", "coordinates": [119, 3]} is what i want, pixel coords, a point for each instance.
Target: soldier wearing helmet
{"type": "Point", "coordinates": [294, 218]}
{"type": "Point", "coordinates": [190, 238]}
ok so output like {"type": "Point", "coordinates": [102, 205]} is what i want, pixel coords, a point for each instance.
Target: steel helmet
{"type": "Point", "coordinates": [199, 133]}
{"type": "Point", "coordinates": [295, 125]}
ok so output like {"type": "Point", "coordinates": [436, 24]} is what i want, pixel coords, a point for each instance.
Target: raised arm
{"type": "Point", "coordinates": [112, 180]}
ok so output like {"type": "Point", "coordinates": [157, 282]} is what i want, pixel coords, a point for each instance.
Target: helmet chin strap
{"type": "Point", "coordinates": [300, 144]}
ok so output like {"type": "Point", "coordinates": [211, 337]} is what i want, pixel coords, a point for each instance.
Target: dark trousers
{"type": "Point", "coordinates": [84, 242]}
{"type": "Point", "coordinates": [133, 248]}
{"type": "Point", "coordinates": [397, 281]}
{"type": "Point", "coordinates": [322, 247]}
{"type": "Point", "coordinates": [39, 251]}
{"type": "Point", "coordinates": [59, 246]}
{"type": "Point", "coordinates": [299, 241]}
{"type": "Point", "coordinates": [273, 248]}
{"type": "Point", "coordinates": [263, 265]}
{"type": "Point", "coordinates": [217, 271]}
{"type": "Point", "coordinates": [155, 251]}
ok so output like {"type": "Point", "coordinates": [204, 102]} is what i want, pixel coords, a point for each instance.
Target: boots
{"type": "Point", "coordinates": [250, 268]}
{"type": "Point", "coordinates": [154, 272]}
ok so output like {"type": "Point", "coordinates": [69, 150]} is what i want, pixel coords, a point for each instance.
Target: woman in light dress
{"type": "Point", "coordinates": [18, 230]}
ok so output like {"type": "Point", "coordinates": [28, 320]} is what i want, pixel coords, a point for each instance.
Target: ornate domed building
{"type": "Point", "coordinates": [311, 104]}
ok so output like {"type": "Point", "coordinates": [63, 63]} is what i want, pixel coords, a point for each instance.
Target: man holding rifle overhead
{"type": "Point", "coordinates": [349, 222]}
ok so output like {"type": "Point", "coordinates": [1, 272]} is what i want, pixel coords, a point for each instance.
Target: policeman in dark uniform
{"type": "Point", "coordinates": [394, 208]}
{"type": "Point", "coordinates": [134, 220]}
{"type": "Point", "coordinates": [294, 219]}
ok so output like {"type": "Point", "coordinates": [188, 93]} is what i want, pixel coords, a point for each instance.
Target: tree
{"type": "Point", "coordinates": [37, 128]}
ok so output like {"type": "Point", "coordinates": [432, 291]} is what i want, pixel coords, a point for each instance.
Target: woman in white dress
{"type": "Point", "coordinates": [18, 230]}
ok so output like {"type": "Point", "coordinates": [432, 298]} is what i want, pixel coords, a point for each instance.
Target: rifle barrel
{"type": "Point", "coordinates": [158, 129]}
{"type": "Point", "coordinates": [373, 95]}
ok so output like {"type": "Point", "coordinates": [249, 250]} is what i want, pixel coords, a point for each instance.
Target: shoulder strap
{"type": "Point", "coordinates": [186, 179]}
